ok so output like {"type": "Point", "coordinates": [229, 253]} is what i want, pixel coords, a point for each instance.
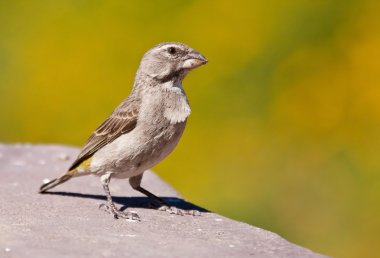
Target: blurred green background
{"type": "Point", "coordinates": [285, 127]}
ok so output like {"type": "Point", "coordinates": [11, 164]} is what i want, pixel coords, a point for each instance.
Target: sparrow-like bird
{"type": "Point", "coordinates": [144, 128]}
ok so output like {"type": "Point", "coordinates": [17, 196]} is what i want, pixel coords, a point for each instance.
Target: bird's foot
{"type": "Point", "coordinates": [176, 211]}
{"type": "Point", "coordinates": [119, 214]}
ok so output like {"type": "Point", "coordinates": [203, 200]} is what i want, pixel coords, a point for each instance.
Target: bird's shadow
{"type": "Point", "coordinates": [136, 202]}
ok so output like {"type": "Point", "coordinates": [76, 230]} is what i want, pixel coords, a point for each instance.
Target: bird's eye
{"type": "Point", "coordinates": [172, 50]}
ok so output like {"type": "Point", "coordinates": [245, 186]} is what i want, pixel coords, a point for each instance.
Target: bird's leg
{"type": "Point", "coordinates": [152, 196]}
{"type": "Point", "coordinates": [105, 179]}
{"type": "Point", "coordinates": [135, 182]}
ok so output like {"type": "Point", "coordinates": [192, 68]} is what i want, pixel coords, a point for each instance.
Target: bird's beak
{"type": "Point", "coordinates": [193, 60]}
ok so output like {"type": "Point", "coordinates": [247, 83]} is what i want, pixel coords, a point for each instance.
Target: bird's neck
{"type": "Point", "coordinates": [167, 98]}
{"type": "Point", "coordinates": [154, 79]}
{"type": "Point", "coordinates": [172, 84]}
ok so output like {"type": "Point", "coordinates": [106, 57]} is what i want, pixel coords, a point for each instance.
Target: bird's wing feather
{"type": "Point", "coordinates": [121, 121]}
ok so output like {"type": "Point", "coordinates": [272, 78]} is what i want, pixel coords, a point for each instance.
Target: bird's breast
{"type": "Point", "coordinates": [167, 101]}
{"type": "Point", "coordinates": [161, 122]}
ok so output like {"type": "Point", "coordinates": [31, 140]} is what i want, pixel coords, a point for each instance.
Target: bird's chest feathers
{"type": "Point", "coordinates": [176, 105]}
{"type": "Point", "coordinates": [170, 102]}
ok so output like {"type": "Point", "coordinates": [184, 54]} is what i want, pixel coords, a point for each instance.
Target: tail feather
{"type": "Point", "coordinates": [56, 182]}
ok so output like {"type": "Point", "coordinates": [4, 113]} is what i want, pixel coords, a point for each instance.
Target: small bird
{"type": "Point", "coordinates": [144, 128]}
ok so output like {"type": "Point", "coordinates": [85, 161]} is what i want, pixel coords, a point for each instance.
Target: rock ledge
{"type": "Point", "coordinates": [67, 223]}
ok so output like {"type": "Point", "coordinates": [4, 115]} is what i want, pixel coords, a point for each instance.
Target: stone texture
{"type": "Point", "coordinates": [68, 223]}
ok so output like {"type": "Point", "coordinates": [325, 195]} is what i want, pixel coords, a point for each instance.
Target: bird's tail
{"type": "Point", "coordinates": [57, 181]}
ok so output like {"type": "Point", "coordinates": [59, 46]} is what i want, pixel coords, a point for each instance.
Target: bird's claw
{"type": "Point", "coordinates": [176, 211]}
{"type": "Point", "coordinates": [193, 213]}
{"type": "Point", "coordinates": [129, 215]}
{"type": "Point", "coordinates": [119, 214]}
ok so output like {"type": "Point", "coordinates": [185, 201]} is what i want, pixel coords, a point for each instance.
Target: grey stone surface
{"type": "Point", "coordinates": [68, 223]}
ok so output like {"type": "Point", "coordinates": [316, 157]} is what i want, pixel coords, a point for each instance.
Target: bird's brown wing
{"type": "Point", "coordinates": [121, 121]}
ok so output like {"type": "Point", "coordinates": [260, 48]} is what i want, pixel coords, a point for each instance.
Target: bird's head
{"type": "Point", "coordinates": [170, 60]}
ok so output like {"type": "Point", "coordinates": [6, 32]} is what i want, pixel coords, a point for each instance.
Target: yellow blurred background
{"type": "Point", "coordinates": [285, 127]}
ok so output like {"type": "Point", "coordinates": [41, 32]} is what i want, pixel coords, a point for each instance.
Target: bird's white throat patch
{"type": "Point", "coordinates": [177, 107]}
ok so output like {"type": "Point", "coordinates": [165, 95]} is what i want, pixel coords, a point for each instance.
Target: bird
{"type": "Point", "coordinates": [144, 129]}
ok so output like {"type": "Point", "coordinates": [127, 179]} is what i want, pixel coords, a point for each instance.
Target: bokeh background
{"type": "Point", "coordinates": [285, 127]}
